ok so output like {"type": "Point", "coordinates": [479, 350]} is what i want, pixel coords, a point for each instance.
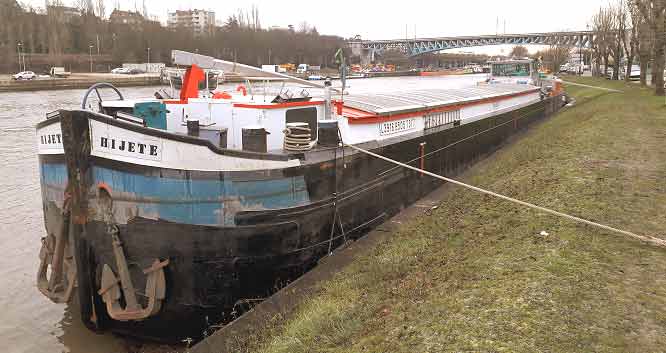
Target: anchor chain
{"type": "Point", "coordinates": [112, 287]}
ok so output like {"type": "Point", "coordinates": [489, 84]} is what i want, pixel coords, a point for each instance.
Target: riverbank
{"type": "Point", "coordinates": [77, 81]}
{"type": "Point", "coordinates": [475, 273]}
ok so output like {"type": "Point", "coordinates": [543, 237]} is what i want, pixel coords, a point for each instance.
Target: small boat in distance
{"type": "Point", "coordinates": [165, 215]}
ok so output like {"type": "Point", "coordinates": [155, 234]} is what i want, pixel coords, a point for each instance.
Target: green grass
{"type": "Point", "coordinates": [475, 275]}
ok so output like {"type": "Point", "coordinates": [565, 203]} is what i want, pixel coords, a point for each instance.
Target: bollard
{"type": "Point", "coordinates": [193, 128]}
{"type": "Point", "coordinates": [223, 138]}
{"type": "Point", "coordinates": [328, 133]}
{"type": "Point", "coordinates": [255, 139]}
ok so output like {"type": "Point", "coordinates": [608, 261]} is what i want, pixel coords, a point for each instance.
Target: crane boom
{"type": "Point", "coordinates": [206, 62]}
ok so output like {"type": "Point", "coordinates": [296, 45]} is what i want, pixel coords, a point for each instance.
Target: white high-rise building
{"type": "Point", "coordinates": [199, 21]}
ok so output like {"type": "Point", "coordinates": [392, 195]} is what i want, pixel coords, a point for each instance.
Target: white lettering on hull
{"type": "Point", "coordinates": [49, 140]}
{"type": "Point", "coordinates": [107, 140]}
{"type": "Point", "coordinates": [117, 143]}
{"type": "Point", "coordinates": [144, 148]}
{"type": "Point", "coordinates": [397, 126]}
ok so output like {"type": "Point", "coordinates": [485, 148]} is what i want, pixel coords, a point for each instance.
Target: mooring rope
{"type": "Point", "coordinates": [645, 238]}
{"type": "Point", "coordinates": [594, 87]}
{"type": "Point", "coordinates": [470, 137]}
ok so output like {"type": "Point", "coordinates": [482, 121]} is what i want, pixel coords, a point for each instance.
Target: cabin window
{"type": "Point", "coordinates": [513, 69]}
{"type": "Point", "coordinates": [304, 115]}
{"type": "Point", "coordinates": [436, 119]}
{"type": "Point", "coordinates": [212, 82]}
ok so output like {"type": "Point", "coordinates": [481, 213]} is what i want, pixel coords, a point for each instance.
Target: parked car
{"type": "Point", "coordinates": [635, 73]}
{"type": "Point", "coordinates": [120, 70]}
{"type": "Point", "coordinates": [24, 75]}
{"type": "Point", "coordinates": [136, 71]}
{"type": "Point", "coordinates": [59, 72]}
{"type": "Point", "coordinates": [609, 73]}
{"type": "Point", "coordinates": [573, 69]}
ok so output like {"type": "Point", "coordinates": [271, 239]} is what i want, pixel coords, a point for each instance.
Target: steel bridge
{"type": "Point", "coordinates": [419, 46]}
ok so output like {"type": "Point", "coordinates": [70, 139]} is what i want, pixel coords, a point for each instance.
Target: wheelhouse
{"type": "Point", "coordinates": [523, 71]}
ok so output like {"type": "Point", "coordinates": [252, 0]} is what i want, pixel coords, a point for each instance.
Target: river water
{"type": "Point", "coordinates": [29, 322]}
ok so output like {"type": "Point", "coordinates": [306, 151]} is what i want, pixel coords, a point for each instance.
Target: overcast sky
{"type": "Point", "coordinates": [385, 20]}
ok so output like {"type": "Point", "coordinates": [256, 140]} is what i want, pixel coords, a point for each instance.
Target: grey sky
{"type": "Point", "coordinates": [386, 20]}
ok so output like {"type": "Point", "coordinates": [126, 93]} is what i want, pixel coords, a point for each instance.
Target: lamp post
{"type": "Point", "coordinates": [18, 51]}
{"type": "Point", "coordinates": [580, 49]}
{"type": "Point", "coordinates": [580, 56]}
{"type": "Point", "coordinates": [91, 61]}
{"type": "Point", "coordinates": [148, 57]}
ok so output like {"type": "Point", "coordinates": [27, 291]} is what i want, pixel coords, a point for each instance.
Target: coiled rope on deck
{"type": "Point", "coordinates": [645, 238]}
{"type": "Point", "coordinates": [297, 137]}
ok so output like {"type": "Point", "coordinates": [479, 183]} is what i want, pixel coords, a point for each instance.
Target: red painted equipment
{"type": "Point", "coordinates": [190, 88]}
{"type": "Point", "coordinates": [221, 95]}
{"type": "Point", "coordinates": [242, 88]}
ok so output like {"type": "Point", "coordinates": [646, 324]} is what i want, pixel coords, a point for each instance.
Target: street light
{"type": "Point", "coordinates": [91, 61]}
{"type": "Point", "coordinates": [589, 38]}
{"type": "Point", "coordinates": [148, 57]}
{"type": "Point", "coordinates": [18, 51]}
{"type": "Point", "coordinates": [580, 56]}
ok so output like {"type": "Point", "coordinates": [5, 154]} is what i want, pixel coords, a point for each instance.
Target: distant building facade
{"type": "Point", "coordinates": [280, 28]}
{"type": "Point", "coordinates": [199, 21]}
{"type": "Point", "coordinates": [63, 13]}
{"type": "Point", "coordinates": [126, 18]}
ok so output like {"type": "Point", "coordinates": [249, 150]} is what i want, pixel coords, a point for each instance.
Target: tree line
{"type": "Point", "coordinates": [58, 34]}
{"type": "Point", "coordinates": [631, 31]}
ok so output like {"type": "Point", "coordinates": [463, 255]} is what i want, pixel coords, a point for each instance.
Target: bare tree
{"type": "Point", "coordinates": [101, 8]}
{"type": "Point", "coordinates": [645, 43]}
{"type": "Point", "coordinates": [554, 57]}
{"type": "Point", "coordinates": [654, 13]}
{"type": "Point", "coordinates": [66, 38]}
{"type": "Point", "coordinates": [631, 41]}
{"type": "Point", "coordinates": [304, 27]}
{"type": "Point", "coordinates": [519, 51]}
{"type": "Point", "coordinates": [85, 6]}
{"type": "Point", "coordinates": [603, 24]}
{"type": "Point", "coordinates": [619, 35]}
{"type": "Point", "coordinates": [255, 23]}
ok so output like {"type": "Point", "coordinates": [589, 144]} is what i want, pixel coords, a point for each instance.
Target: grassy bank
{"type": "Point", "coordinates": [475, 275]}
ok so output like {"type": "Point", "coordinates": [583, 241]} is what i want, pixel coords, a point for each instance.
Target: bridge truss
{"type": "Point", "coordinates": [418, 46]}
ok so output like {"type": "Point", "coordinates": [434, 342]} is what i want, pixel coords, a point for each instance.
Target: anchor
{"type": "Point", "coordinates": [110, 288]}
{"type": "Point", "coordinates": [56, 253]}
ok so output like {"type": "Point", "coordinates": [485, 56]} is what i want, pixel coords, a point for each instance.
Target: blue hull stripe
{"type": "Point", "coordinates": [188, 201]}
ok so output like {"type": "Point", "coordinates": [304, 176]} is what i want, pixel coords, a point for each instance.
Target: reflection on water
{"type": "Point", "coordinates": [30, 322]}
{"type": "Point", "coordinates": [76, 338]}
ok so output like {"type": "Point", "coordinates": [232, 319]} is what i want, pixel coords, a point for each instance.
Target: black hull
{"type": "Point", "coordinates": [214, 270]}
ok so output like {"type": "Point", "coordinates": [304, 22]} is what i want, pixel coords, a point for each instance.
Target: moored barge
{"type": "Point", "coordinates": [164, 214]}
